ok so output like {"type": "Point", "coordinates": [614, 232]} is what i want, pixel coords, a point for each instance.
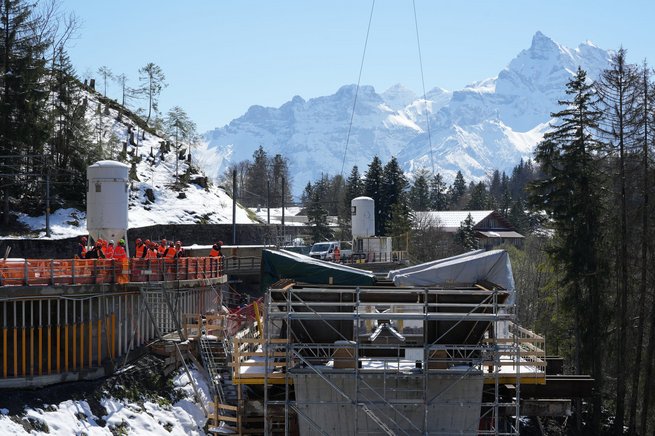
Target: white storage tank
{"type": "Point", "coordinates": [107, 200]}
{"type": "Point", "coordinates": [363, 217]}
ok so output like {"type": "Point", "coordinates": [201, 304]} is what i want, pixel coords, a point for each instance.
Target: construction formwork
{"type": "Point", "coordinates": [355, 360]}
{"type": "Point", "coordinates": [66, 333]}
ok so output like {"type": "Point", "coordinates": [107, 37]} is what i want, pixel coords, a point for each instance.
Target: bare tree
{"type": "Point", "coordinates": [106, 74]}
{"type": "Point", "coordinates": [153, 81]}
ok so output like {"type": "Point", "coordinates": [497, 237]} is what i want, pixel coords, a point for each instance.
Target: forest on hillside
{"type": "Point", "coordinates": [54, 125]}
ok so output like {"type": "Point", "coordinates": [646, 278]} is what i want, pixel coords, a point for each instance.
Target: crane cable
{"type": "Point", "coordinates": [359, 78]}
{"type": "Point", "coordinates": [361, 67]}
{"type": "Point", "coordinates": [425, 98]}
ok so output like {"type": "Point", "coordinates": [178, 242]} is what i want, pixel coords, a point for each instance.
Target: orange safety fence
{"type": "Point", "coordinates": [43, 272]}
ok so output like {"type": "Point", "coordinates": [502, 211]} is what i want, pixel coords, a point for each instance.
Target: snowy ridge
{"type": "Point", "coordinates": [189, 205]}
{"type": "Point", "coordinates": [488, 125]}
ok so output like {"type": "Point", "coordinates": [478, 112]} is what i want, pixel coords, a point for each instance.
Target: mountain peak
{"type": "Point", "coordinates": [541, 42]}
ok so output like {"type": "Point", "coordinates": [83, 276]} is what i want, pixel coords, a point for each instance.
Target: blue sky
{"type": "Point", "coordinates": [221, 57]}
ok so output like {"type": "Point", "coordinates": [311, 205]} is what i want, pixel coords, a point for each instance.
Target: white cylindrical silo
{"type": "Point", "coordinates": [107, 200]}
{"type": "Point", "coordinates": [363, 217]}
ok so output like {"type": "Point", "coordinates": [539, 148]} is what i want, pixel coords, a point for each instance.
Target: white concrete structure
{"type": "Point", "coordinates": [107, 200]}
{"type": "Point", "coordinates": [363, 217]}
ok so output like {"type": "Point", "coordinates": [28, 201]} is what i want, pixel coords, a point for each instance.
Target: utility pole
{"type": "Point", "coordinates": [234, 207]}
{"type": "Point", "coordinates": [47, 204]}
{"type": "Point", "coordinates": [283, 232]}
{"type": "Point", "coordinates": [268, 202]}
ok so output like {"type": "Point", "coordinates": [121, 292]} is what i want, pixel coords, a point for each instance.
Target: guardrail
{"type": "Point", "coordinates": [44, 272]}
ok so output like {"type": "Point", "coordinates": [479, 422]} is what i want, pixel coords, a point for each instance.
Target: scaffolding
{"type": "Point", "coordinates": [376, 360]}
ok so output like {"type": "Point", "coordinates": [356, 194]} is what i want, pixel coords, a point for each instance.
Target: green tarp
{"type": "Point", "coordinates": [282, 264]}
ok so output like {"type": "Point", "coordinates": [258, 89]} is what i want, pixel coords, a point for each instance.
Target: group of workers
{"type": "Point", "coordinates": [147, 249]}
{"type": "Point", "coordinates": [152, 250]}
{"type": "Point", "coordinates": [102, 249]}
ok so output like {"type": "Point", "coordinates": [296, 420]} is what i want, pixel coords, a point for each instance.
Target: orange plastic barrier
{"type": "Point", "coordinates": [42, 272]}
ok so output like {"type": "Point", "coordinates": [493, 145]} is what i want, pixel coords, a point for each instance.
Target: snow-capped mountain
{"type": "Point", "coordinates": [488, 125]}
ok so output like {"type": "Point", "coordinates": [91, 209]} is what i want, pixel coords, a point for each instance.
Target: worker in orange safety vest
{"type": "Point", "coordinates": [162, 247]}
{"type": "Point", "coordinates": [151, 250]}
{"type": "Point", "coordinates": [109, 250]}
{"type": "Point", "coordinates": [216, 250]}
{"type": "Point", "coordinates": [170, 252]}
{"type": "Point", "coordinates": [140, 249]}
{"type": "Point", "coordinates": [119, 251]}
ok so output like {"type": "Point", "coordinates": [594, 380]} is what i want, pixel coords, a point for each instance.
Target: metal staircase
{"type": "Point", "coordinates": [216, 355]}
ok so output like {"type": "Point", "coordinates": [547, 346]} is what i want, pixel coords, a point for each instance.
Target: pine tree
{"type": "Point", "coordinates": [256, 178]}
{"type": "Point", "coordinates": [394, 185]}
{"type": "Point", "coordinates": [71, 151]}
{"type": "Point", "coordinates": [618, 95]}
{"type": "Point", "coordinates": [479, 197]}
{"type": "Point", "coordinates": [419, 193]}
{"type": "Point", "coordinates": [317, 219]}
{"type": "Point", "coordinates": [457, 190]}
{"type": "Point", "coordinates": [400, 224]}
{"type": "Point", "coordinates": [354, 188]}
{"type": "Point", "coordinates": [279, 181]}
{"type": "Point", "coordinates": [465, 235]}
{"type": "Point", "coordinates": [438, 193]}
{"type": "Point", "coordinates": [24, 125]}
{"type": "Point", "coordinates": [373, 189]}
{"type": "Point", "coordinates": [570, 196]}
{"type": "Point", "coordinates": [646, 105]}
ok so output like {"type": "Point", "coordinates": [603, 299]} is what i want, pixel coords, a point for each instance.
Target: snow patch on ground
{"type": "Point", "coordinates": [184, 417]}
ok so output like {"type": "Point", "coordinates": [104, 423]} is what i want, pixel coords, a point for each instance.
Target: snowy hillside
{"type": "Point", "coordinates": [488, 125]}
{"type": "Point", "coordinates": [153, 199]}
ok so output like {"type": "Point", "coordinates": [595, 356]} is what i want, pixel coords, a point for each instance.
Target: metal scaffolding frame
{"type": "Point", "coordinates": [397, 383]}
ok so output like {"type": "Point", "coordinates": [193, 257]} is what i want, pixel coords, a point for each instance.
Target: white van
{"type": "Point", "coordinates": [325, 250]}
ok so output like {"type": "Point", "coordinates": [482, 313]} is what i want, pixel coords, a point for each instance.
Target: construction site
{"type": "Point", "coordinates": [322, 348]}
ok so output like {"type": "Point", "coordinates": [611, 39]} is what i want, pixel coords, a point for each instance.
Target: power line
{"type": "Point", "coordinates": [359, 79]}
{"type": "Point", "coordinates": [425, 98]}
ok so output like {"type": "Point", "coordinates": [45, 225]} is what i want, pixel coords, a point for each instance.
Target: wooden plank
{"type": "Point", "coordinates": [223, 406]}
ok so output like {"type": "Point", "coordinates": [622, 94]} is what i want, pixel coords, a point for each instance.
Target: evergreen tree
{"type": "Point", "coordinates": [457, 190]}
{"type": "Point", "coordinates": [647, 121]}
{"type": "Point", "coordinates": [618, 96]}
{"type": "Point", "coordinates": [479, 197]}
{"type": "Point", "coordinates": [306, 196]}
{"type": "Point", "coordinates": [419, 193]}
{"type": "Point", "coordinates": [354, 188]}
{"type": "Point", "coordinates": [394, 185]}
{"type": "Point", "coordinates": [400, 224]}
{"type": "Point", "coordinates": [257, 176]}
{"type": "Point", "coordinates": [373, 189]}
{"type": "Point", "coordinates": [317, 219]}
{"type": "Point", "coordinates": [71, 151]}
{"type": "Point", "coordinates": [438, 193]}
{"type": "Point", "coordinates": [570, 196]}
{"type": "Point", "coordinates": [495, 187]}
{"type": "Point", "coordinates": [24, 125]}
{"type": "Point", "coordinates": [279, 181]}
{"type": "Point", "coordinates": [465, 235]}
